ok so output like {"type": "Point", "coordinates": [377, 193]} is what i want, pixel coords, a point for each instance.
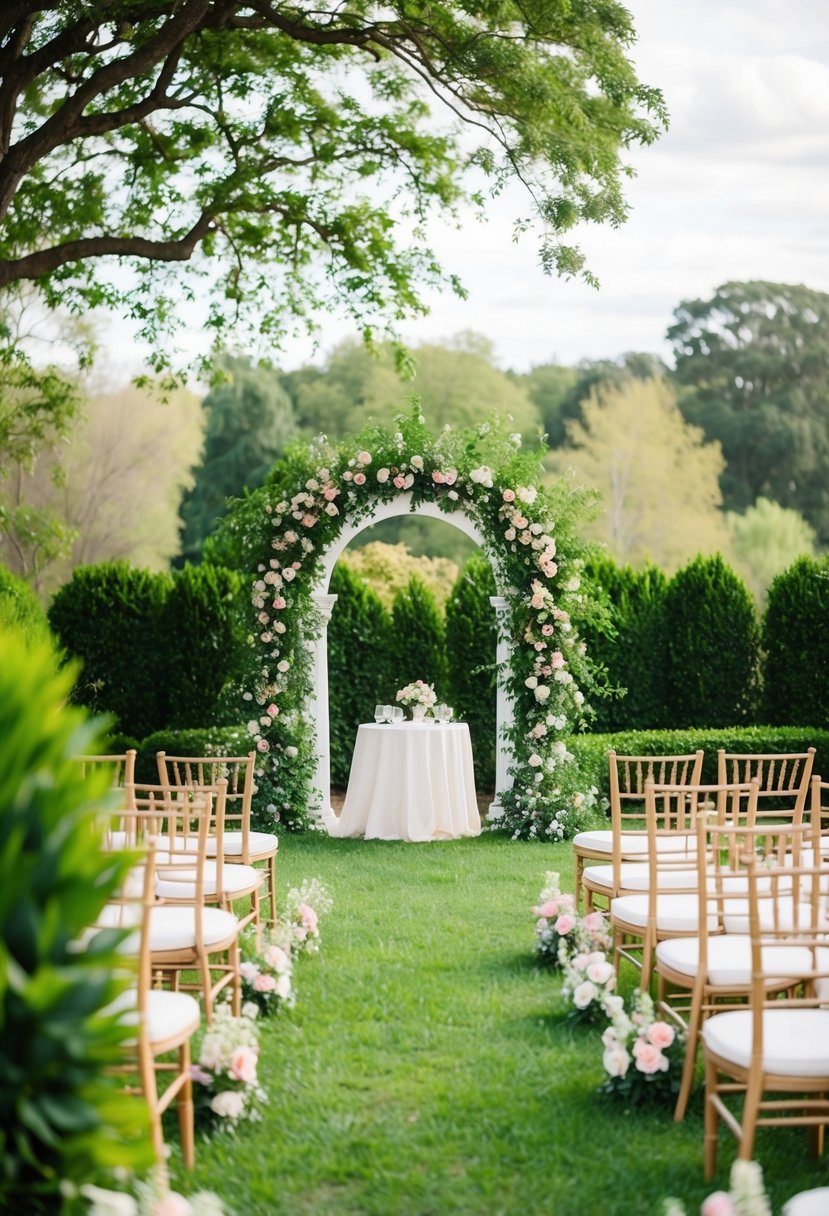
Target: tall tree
{"type": "Point", "coordinates": [754, 363]}
{"type": "Point", "coordinates": [765, 540]}
{"type": "Point", "coordinates": [658, 478]}
{"type": "Point", "coordinates": [249, 421]}
{"type": "Point", "coordinates": [275, 157]}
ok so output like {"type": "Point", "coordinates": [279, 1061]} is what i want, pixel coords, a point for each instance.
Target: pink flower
{"type": "Point", "coordinates": [171, 1204]}
{"type": "Point", "coordinates": [331, 492]}
{"type": "Point", "coordinates": [273, 710]}
{"type": "Point", "coordinates": [549, 910]}
{"type": "Point", "coordinates": [546, 630]}
{"type": "Point", "coordinates": [308, 918]}
{"type": "Point", "coordinates": [594, 922]}
{"type": "Point", "coordinates": [359, 479]}
{"type": "Point", "coordinates": [248, 971]}
{"type": "Point", "coordinates": [537, 600]}
{"type": "Point", "coordinates": [564, 924]}
{"type": "Point", "coordinates": [557, 659]}
{"type": "Point", "coordinates": [382, 475]}
{"type": "Point", "coordinates": [276, 957]}
{"type": "Point", "coordinates": [718, 1203]}
{"type": "Point", "coordinates": [399, 481]}
{"type": "Point", "coordinates": [649, 1059]}
{"type": "Point", "coordinates": [661, 1035]}
{"type": "Point", "coordinates": [308, 521]}
{"type": "Point", "coordinates": [279, 603]}
{"type": "Point", "coordinates": [450, 476]}
{"type": "Point", "coordinates": [264, 983]}
{"type": "Point", "coordinates": [363, 458]}
{"type": "Point", "coordinates": [600, 973]}
{"type": "Point", "coordinates": [201, 1075]}
{"type": "Point", "coordinates": [509, 495]}
{"type": "Point", "coordinates": [263, 745]}
{"type": "Point", "coordinates": [438, 477]}
{"type": "Point", "coordinates": [243, 1060]}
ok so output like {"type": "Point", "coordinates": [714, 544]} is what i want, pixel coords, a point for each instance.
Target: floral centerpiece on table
{"type": "Point", "coordinates": [418, 693]}
{"type": "Point", "coordinates": [642, 1054]}
{"type": "Point", "coordinates": [227, 1089]}
{"type": "Point", "coordinates": [266, 972]}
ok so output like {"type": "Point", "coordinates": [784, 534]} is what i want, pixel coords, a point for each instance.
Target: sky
{"type": "Point", "coordinates": [737, 189]}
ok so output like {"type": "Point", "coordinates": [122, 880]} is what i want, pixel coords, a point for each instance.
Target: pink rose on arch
{"type": "Point", "coordinates": [537, 600]}
{"type": "Point", "coordinates": [557, 660]}
{"type": "Point", "coordinates": [263, 745]}
{"type": "Point", "coordinates": [279, 603]}
{"type": "Point", "coordinates": [273, 710]}
{"type": "Point", "coordinates": [564, 924]}
{"type": "Point", "coordinates": [364, 458]}
{"type": "Point", "coordinates": [438, 477]}
{"type": "Point", "coordinates": [450, 476]}
{"type": "Point", "coordinates": [331, 492]}
{"type": "Point", "coordinates": [308, 521]}
{"type": "Point", "coordinates": [264, 983]}
{"type": "Point", "coordinates": [243, 1060]}
{"type": "Point", "coordinates": [546, 630]}
{"type": "Point", "coordinates": [359, 479]}
{"type": "Point", "coordinates": [649, 1059]}
{"type": "Point", "coordinates": [661, 1035]}
{"type": "Point", "coordinates": [509, 495]}
{"type": "Point", "coordinates": [399, 481]}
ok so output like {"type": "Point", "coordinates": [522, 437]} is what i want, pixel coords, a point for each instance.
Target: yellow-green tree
{"type": "Point", "coordinates": [659, 480]}
{"type": "Point", "coordinates": [387, 569]}
{"type": "Point", "coordinates": [765, 541]}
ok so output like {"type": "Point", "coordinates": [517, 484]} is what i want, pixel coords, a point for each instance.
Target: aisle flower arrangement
{"type": "Point", "coordinates": [149, 1200]}
{"type": "Point", "coordinates": [589, 981]}
{"type": "Point", "coordinates": [282, 531]}
{"type": "Point", "coordinates": [642, 1055]}
{"type": "Point", "coordinates": [227, 1089]}
{"type": "Point", "coordinates": [418, 693]}
{"type": "Point", "coordinates": [556, 919]}
{"type": "Point", "coordinates": [746, 1195]}
{"type": "Point", "coordinates": [266, 973]}
{"type": "Point", "coordinates": [304, 905]}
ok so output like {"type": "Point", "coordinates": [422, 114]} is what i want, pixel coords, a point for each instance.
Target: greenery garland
{"type": "Point", "coordinates": [283, 530]}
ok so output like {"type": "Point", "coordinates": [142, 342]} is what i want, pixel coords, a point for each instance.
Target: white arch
{"type": "Point", "coordinates": [401, 505]}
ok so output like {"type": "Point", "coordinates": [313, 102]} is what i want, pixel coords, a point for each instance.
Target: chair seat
{"type": "Point", "coordinates": [808, 1203]}
{"type": "Point", "coordinates": [633, 844]}
{"type": "Point", "coordinates": [635, 876]}
{"type": "Point", "coordinates": [175, 928]}
{"type": "Point", "coordinates": [795, 1041]}
{"type": "Point", "coordinates": [729, 959]}
{"type": "Point", "coordinates": [235, 879]}
{"type": "Point", "coordinates": [170, 1015]}
{"type": "Point", "coordinates": [674, 913]}
{"type": "Point", "coordinates": [263, 843]}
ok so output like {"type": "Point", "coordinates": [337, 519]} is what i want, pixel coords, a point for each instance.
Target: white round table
{"type": "Point", "coordinates": [412, 781]}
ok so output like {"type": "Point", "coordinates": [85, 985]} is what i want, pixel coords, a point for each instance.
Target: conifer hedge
{"type": "Point", "coordinates": [471, 641]}
{"type": "Point", "coordinates": [796, 644]}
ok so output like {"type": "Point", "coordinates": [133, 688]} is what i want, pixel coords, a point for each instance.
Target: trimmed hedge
{"type": "Point", "coordinates": [713, 647]}
{"type": "Point", "coordinates": [417, 647]}
{"type": "Point", "coordinates": [636, 657]}
{"type": "Point", "coordinates": [268, 806]}
{"type": "Point", "coordinates": [156, 651]}
{"type": "Point", "coordinates": [796, 643]}
{"type": "Point", "coordinates": [471, 642]}
{"type": "Point", "coordinates": [591, 751]}
{"type": "Point", "coordinates": [358, 668]}
{"type": "Point", "coordinates": [20, 608]}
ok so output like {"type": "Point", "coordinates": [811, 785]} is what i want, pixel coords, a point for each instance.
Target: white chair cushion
{"type": "Point", "coordinates": [169, 1014]}
{"type": "Point", "coordinates": [795, 1041]}
{"type": "Point", "coordinates": [634, 844]}
{"type": "Point", "coordinates": [674, 913]}
{"type": "Point", "coordinates": [729, 959]}
{"type": "Point", "coordinates": [635, 876]}
{"type": "Point", "coordinates": [808, 1203]}
{"type": "Point", "coordinates": [183, 885]}
{"type": "Point", "coordinates": [175, 928]}
{"type": "Point", "coordinates": [258, 842]}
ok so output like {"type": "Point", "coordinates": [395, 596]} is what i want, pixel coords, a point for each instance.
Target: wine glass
{"type": "Point", "coordinates": [396, 714]}
{"type": "Point", "coordinates": [439, 713]}
{"type": "Point", "coordinates": [388, 713]}
{"type": "Point", "coordinates": [448, 713]}
{"type": "Point", "coordinates": [379, 714]}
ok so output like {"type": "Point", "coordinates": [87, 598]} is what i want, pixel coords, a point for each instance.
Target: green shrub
{"type": "Point", "coordinates": [271, 802]}
{"type": "Point", "coordinates": [61, 1117]}
{"type": "Point", "coordinates": [358, 669]}
{"type": "Point", "coordinates": [796, 644]}
{"type": "Point", "coordinates": [591, 751]}
{"type": "Point", "coordinates": [202, 644]}
{"type": "Point", "coordinates": [417, 647]}
{"type": "Point", "coordinates": [713, 646]}
{"type": "Point", "coordinates": [20, 608]}
{"type": "Point", "coordinates": [471, 641]}
{"type": "Point", "coordinates": [636, 655]}
{"type": "Point", "coordinates": [156, 651]}
{"type": "Point", "coordinates": [110, 616]}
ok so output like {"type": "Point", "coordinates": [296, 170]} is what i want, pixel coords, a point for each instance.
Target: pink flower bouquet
{"type": "Point", "coordinates": [642, 1054]}
{"type": "Point", "coordinates": [266, 973]}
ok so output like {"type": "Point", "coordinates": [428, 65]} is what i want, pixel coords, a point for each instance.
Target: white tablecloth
{"type": "Point", "coordinates": [412, 781]}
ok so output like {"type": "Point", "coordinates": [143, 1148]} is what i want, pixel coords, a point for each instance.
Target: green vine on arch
{"type": "Point", "coordinates": [282, 531]}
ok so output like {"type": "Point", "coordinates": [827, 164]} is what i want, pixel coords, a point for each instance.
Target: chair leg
{"type": "Point", "coordinates": [689, 1064]}
{"type": "Point", "coordinates": [204, 969]}
{"type": "Point", "coordinates": [816, 1136]}
{"type": "Point", "coordinates": [149, 1088]}
{"type": "Point", "coordinates": [751, 1113]}
{"type": "Point", "coordinates": [579, 870]}
{"type": "Point", "coordinates": [185, 1110]}
{"type": "Point", "coordinates": [711, 1120]}
{"type": "Point", "coordinates": [647, 962]}
{"type": "Point", "coordinates": [236, 999]}
{"type": "Point", "coordinates": [272, 888]}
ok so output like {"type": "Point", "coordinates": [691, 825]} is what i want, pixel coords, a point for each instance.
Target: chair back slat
{"type": "Point", "coordinates": [204, 772]}
{"type": "Point", "coordinates": [783, 778]}
{"type": "Point", "coordinates": [122, 766]}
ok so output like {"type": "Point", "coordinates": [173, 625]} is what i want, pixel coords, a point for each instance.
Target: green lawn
{"type": "Point", "coordinates": [428, 1067]}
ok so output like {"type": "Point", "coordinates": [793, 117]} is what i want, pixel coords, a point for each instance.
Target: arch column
{"type": "Point", "coordinates": [319, 706]}
{"type": "Point", "coordinates": [504, 708]}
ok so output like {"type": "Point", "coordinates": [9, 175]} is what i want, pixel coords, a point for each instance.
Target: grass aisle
{"type": "Point", "coordinates": [428, 1067]}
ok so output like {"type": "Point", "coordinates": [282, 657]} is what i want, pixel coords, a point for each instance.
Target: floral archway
{"type": "Point", "coordinates": [289, 531]}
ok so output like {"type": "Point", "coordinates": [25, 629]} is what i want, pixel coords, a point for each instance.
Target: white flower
{"type": "Point", "coordinates": [253, 727]}
{"type": "Point", "coordinates": [527, 494]}
{"type": "Point", "coordinates": [616, 1061]}
{"type": "Point", "coordinates": [542, 693]}
{"type": "Point", "coordinates": [382, 476]}
{"type": "Point", "coordinates": [535, 760]}
{"type": "Point", "coordinates": [288, 574]}
{"type": "Point", "coordinates": [331, 509]}
{"type": "Point", "coordinates": [417, 463]}
{"type": "Point", "coordinates": [283, 665]}
{"type": "Point", "coordinates": [229, 1104]}
{"type": "Point", "coordinates": [482, 476]}
{"type": "Point", "coordinates": [108, 1203]}
{"type": "Point", "coordinates": [453, 494]}
{"type": "Point", "coordinates": [531, 682]}
{"type": "Point", "coordinates": [584, 994]}
{"type": "Point", "coordinates": [283, 986]}
{"type": "Point", "coordinates": [250, 1010]}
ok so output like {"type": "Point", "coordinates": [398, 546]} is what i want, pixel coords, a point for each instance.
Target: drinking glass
{"type": "Point", "coordinates": [439, 713]}
{"type": "Point", "coordinates": [388, 713]}
{"type": "Point", "coordinates": [396, 714]}
{"type": "Point", "coordinates": [448, 713]}
{"type": "Point", "coordinates": [379, 713]}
